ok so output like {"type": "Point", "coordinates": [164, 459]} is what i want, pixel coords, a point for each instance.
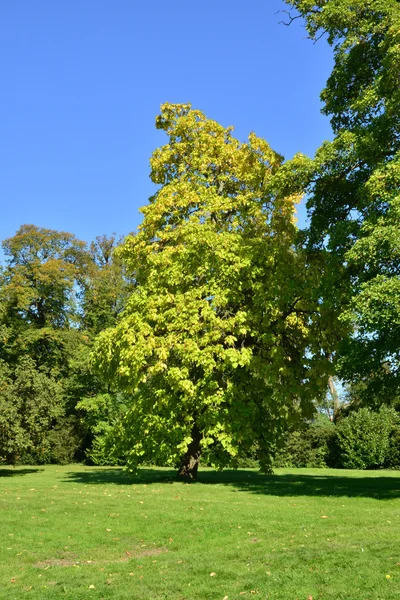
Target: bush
{"type": "Point", "coordinates": [366, 439]}
{"type": "Point", "coordinates": [99, 414]}
{"type": "Point", "coordinates": [61, 446]}
{"type": "Point", "coordinates": [393, 458]}
{"type": "Point", "coordinates": [31, 403]}
{"type": "Point", "coordinates": [310, 446]}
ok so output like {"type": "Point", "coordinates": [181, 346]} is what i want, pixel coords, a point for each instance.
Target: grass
{"type": "Point", "coordinates": [89, 533]}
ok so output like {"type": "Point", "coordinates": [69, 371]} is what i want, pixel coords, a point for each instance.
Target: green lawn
{"type": "Point", "coordinates": [83, 532]}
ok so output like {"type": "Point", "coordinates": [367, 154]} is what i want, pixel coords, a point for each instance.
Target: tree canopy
{"type": "Point", "coordinates": [354, 183]}
{"type": "Point", "coordinates": [222, 328]}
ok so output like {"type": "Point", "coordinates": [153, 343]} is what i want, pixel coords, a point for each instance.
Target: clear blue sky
{"type": "Point", "coordinates": [82, 82]}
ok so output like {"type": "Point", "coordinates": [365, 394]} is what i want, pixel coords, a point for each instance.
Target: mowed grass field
{"type": "Point", "coordinates": [89, 533]}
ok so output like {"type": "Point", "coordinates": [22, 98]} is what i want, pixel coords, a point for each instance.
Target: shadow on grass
{"type": "Point", "coordinates": [332, 484]}
{"type": "Point", "coordinates": [16, 472]}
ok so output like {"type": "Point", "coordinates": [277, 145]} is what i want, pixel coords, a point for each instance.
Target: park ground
{"type": "Point", "coordinates": [80, 533]}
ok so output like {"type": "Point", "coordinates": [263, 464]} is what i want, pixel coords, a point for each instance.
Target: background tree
{"type": "Point", "coordinates": [40, 336]}
{"type": "Point", "coordinates": [106, 286]}
{"type": "Point", "coordinates": [31, 402]}
{"type": "Point", "coordinates": [354, 184]}
{"type": "Point", "coordinates": [220, 342]}
{"type": "Point", "coordinates": [44, 269]}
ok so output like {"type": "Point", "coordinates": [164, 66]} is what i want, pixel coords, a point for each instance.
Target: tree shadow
{"type": "Point", "coordinates": [115, 475]}
{"type": "Point", "coordinates": [334, 483]}
{"type": "Point", "coordinates": [16, 472]}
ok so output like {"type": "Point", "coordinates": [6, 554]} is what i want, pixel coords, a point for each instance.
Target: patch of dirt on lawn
{"type": "Point", "coordinates": [138, 553]}
{"type": "Point", "coordinates": [70, 562]}
{"type": "Point", "coordinates": [55, 562]}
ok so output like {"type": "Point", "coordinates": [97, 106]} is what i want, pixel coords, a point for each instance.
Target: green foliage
{"type": "Point", "coordinates": [223, 326]}
{"type": "Point", "coordinates": [50, 289]}
{"type": "Point", "coordinates": [393, 457]}
{"type": "Point", "coordinates": [364, 438]}
{"type": "Point", "coordinates": [354, 200]}
{"type": "Point", "coordinates": [309, 446]}
{"type": "Point", "coordinates": [43, 268]}
{"type": "Point", "coordinates": [38, 290]}
{"type": "Point", "coordinates": [30, 404]}
{"type": "Point", "coordinates": [99, 414]}
{"type": "Point", "coordinates": [106, 286]}
{"type": "Point", "coordinates": [61, 445]}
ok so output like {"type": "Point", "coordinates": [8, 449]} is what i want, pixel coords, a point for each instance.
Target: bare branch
{"type": "Point", "coordinates": [290, 17]}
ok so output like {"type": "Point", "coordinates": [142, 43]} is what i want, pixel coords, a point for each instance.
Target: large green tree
{"type": "Point", "coordinates": [223, 341]}
{"type": "Point", "coordinates": [354, 183]}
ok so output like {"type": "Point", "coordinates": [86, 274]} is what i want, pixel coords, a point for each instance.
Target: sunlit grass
{"type": "Point", "coordinates": [83, 532]}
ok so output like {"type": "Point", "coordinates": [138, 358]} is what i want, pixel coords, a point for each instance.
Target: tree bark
{"type": "Point", "coordinates": [190, 462]}
{"type": "Point", "coordinates": [335, 397]}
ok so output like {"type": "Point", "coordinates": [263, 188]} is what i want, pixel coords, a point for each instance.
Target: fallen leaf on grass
{"type": "Point", "coordinates": [225, 598]}
{"type": "Point", "coordinates": [310, 598]}
{"type": "Point", "coordinates": [212, 574]}
{"type": "Point", "coordinates": [91, 587]}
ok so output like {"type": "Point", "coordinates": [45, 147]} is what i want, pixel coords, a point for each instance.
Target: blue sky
{"type": "Point", "coordinates": [82, 83]}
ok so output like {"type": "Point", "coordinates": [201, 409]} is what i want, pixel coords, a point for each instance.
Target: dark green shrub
{"type": "Point", "coordinates": [61, 446]}
{"type": "Point", "coordinates": [310, 446]}
{"type": "Point", "coordinates": [393, 458]}
{"type": "Point", "coordinates": [364, 438]}
{"type": "Point", "coordinates": [31, 403]}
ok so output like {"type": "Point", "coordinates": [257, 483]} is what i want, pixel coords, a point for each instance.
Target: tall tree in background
{"type": "Point", "coordinates": [44, 269]}
{"type": "Point", "coordinates": [220, 342]}
{"type": "Point", "coordinates": [56, 295]}
{"type": "Point", "coordinates": [354, 184]}
{"type": "Point", "coordinates": [106, 285]}
{"type": "Point", "coordinates": [39, 337]}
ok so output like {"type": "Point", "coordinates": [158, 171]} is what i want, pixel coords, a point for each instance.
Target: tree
{"type": "Point", "coordinates": [222, 340]}
{"type": "Point", "coordinates": [106, 286]}
{"type": "Point", "coordinates": [354, 200]}
{"type": "Point", "coordinates": [55, 296]}
{"type": "Point", "coordinates": [30, 404]}
{"type": "Point", "coordinates": [38, 290]}
{"type": "Point", "coordinates": [39, 342]}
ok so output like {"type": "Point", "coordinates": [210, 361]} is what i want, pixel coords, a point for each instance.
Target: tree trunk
{"type": "Point", "coordinates": [335, 397]}
{"type": "Point", "coordinates": [190, 462]}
